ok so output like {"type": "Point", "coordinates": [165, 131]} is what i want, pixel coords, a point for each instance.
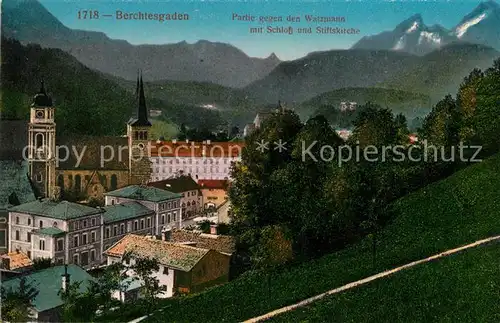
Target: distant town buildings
{"type": "Point", "coordinates": [348, 106]}
{"type": "Point", "coordinates": [154, 113]}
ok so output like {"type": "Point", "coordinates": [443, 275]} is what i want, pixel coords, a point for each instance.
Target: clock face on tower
{"type": "Point", "coordinates": [39, 114]}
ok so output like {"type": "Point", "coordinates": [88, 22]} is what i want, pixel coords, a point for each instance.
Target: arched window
{"type": "Point", "coordinates": [145, 135]}
{"type": "Point", "coordinates": [136, 135]}
{"type": "Point", "coordinates": [114, 182]}
{"type": "Point", "coordinates": [104, 180]}
{"type": "Point", "coordinates": [39, 140]}
{"type": "Point", "coordinates": [78, 184]}
{"type": "Point", "coordinates": [188, 203]}
{"type": "Point", "coordinates": [140, 135]}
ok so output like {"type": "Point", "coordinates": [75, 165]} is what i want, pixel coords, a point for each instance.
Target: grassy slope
{"type": "Point", "coordinates": [461, 288]}
{"type": "Point", "coordinates": [458, 210]}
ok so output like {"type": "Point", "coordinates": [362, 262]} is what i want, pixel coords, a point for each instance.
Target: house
{"type": "Point", "coordinates": [192, 199]}
{"type": "Point", "coordinates": [15, 189]}
{"type": "Point", "coordinates": [166, 205]}
{"type": "Point", "coordinates": [200, 160]}
{"type": "Point", "coordinates": [49, 282]}
{"type": "Point", "coordinates": [214, 192]}
{"type": "Point", "coordinates": [183, 268]}
{"type": "Point", "coordinates": [16, 261]}
{"type": "Point", "coordinates": [63, 231]}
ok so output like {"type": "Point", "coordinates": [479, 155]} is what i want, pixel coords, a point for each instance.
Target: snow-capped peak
{"type": "Point", "coordinates": [413, 27]}
{"type": "Point", "coordinates": [462, 28]}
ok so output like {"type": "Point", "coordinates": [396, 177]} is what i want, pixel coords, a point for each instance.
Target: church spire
{"type": "Point", "coordinates": [137, 87]}
{"type": "Point", "coordinates": [142, 111]}
{"type": "Point", "coordinates": [42, 87]}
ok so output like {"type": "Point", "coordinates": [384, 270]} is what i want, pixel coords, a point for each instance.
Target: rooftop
{"type": "Point", "coordinates": [221, 243]}
{"type": "Point", "coordinates": [169, 254]}
{"type": "Point", "coordinates": [213, 183]}
{"type": "Point", "coordinates": [144, 193]}
{"type": "Point", "coordinates": [176, 185]}
{"type": "Point", "coordinates": [62, 210]}
{"type": "Point", "coordinates": [49, 282]}
{"type": "Point", "coordinates": [50, 231]}
{"type": "Point", "coordinates": [123, 211]}
{"type": "Point", "coordinates": [17, 260]}
{"type": "Point", "coordinates": [196, 149]}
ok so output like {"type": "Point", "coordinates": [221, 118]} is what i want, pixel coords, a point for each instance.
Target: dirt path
{"type": "Point", "coordinates": [367, 280]}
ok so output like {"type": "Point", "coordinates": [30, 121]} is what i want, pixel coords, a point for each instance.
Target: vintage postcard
{"type": "Point", "coordinates": [244, 161]}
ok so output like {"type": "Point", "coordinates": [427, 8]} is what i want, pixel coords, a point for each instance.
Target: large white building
{"type": "Point", "coordinates": [200, 160]}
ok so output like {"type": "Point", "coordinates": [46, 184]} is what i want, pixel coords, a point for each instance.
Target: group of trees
{"type": "Point", "coordinates": [86, 303]}
{"type": "Point", "coordinates": [317, 205]}
{"type": "Point", "coordinates": [202, 134]}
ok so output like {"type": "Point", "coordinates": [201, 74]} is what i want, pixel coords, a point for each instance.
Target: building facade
{"type": "Point", "coordinates": [62, 231]}
{"type": "Point", "coordinates": [199, 160]}
{"type": "Point", "coordinates": [191, 200]}
{"type": "Point", "coordinates": [166, 205]}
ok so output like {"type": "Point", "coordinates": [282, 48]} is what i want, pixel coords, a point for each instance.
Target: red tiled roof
{"type": "Point", "coordinates": [196, 149]}
{"type": "Point", "coordinates": [213, 183]}
{"type": "Point", "coordinates": [17, 260]}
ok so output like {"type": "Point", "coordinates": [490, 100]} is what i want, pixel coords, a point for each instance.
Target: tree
{"type": "Point", "coordinates": [79, 306]}
{"type": "Point", "coordinates": [41, 263]}
{"type": "Point", "coordinates": [467, 102]}
{"type": "Point", "coordinates": [374, 126]}
{"type": "Point", "coordinates": [441, 126]}
{"type": "Point", "coordinates": [402, 131]}
{"type": "Point", "coordinates": [16, 303]}
{"type": "Point", "coordinates": [144, 268]}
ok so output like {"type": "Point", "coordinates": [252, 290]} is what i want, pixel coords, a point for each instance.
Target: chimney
{"type": "Point", "coordinates": [65, 278]}
{"type": "Point", "coordinates": [166, 234]}
{"type": "Point", "coordinates": [213, 229]}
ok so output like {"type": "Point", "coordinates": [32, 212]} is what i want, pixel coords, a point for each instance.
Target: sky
{"type": "Point", "coordinates": [213, 21]}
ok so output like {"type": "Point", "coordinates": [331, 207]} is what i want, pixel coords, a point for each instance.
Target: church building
{"type": "Point", "coordinates": [84, 168]}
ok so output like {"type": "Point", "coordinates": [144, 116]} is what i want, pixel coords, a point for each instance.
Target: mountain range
{"type": "Point", "coordinates": [30, 22]}
{"type": "Point", "coordinates": [481, 26]}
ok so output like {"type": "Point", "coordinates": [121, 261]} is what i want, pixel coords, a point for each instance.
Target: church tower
{"type": "Point", "coordinates": [42, 144]}
{"type": "Point", "coordinates": [138, 133]}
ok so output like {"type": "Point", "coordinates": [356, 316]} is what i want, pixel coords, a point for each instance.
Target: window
{"type": "Point", "coordinates": [17, 220]}
{"type": "Point", "coordinates": [169, 205]}
{"type": "Point", "coordinates": [142, 224]}
{"type": "Point", "coordinates": [162, 219]}
{"type": "Point", "coordinates": [108, 230]}
{"type": "Point", "coordinates": [29, 221]}
{"type": "Point", "coordinates": [75, 259]}
{"type": "Point", "coordinates": [168, 218]}
{"type": "Point", "coordinates": [115, 230]}
{"type": "Point", "coordinates": [129, 226]}
{"type": "Point", "coordinates": [41, 244]}
{"type": "Point", "coordinates": [136, 225]}
{"type": "Point", "coordinates": [84, 238]}
{"type": "Point", "coordinates": [84, 223]}
{"type": "Point", "coordinates": [41, 224]}
{"type": "Point", "coordinates": [127, 261]}
{"type": "Point", "coordinates": [28, 237]}
{"type": "Point", "coordinates": [54, 224]}
{"type": "Point", "coordinates": [149, 222]}
{"type": "Point", "coordinates": [122, 228]}
{"type": "Point", "coordinates": [92, 255]}
{"type": "Point", "coordinates": [93, 222]}
{"type": "Point", "coordinates": [78, 184]}
{"type": "Point", "coordinates": [165, 270]}
{"type": "Point", "coordinates": [112, 202]}
{"type": "Point", "coordinates": [92, 236]}
{"type": "Point", "coordinates": [114, 182]}
{"type": "Point", "coordinates": [75, 240]}
{"type": "Point", "coordinates": [76, 225]}
{"type": "Point", "coordinates": [174, 216]}
{"type": "Point", "coordinates": [18, 235]}
{"type": "Point", "coordinates": [60, 244]}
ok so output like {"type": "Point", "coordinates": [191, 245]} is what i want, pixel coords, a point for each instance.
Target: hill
{"type": "Point", "coordinates": [459, 288]}
{"type": "Point", "coordinates": [434, 74]}
{"type": "Point", "coordinates": [302, 79]}
{"type": "Point", "coordinates": [327, 104]}
{"type": "Point", "coordinates": [29, 22]}
{"type": "Point", "coordinates": [455, 211]}
{"type": "Point", "coordinates": [88, 102]}
{"type": "Point", "coordinates": [442, 71]}
{"type": "Point", "coordinates": [233, 104]}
